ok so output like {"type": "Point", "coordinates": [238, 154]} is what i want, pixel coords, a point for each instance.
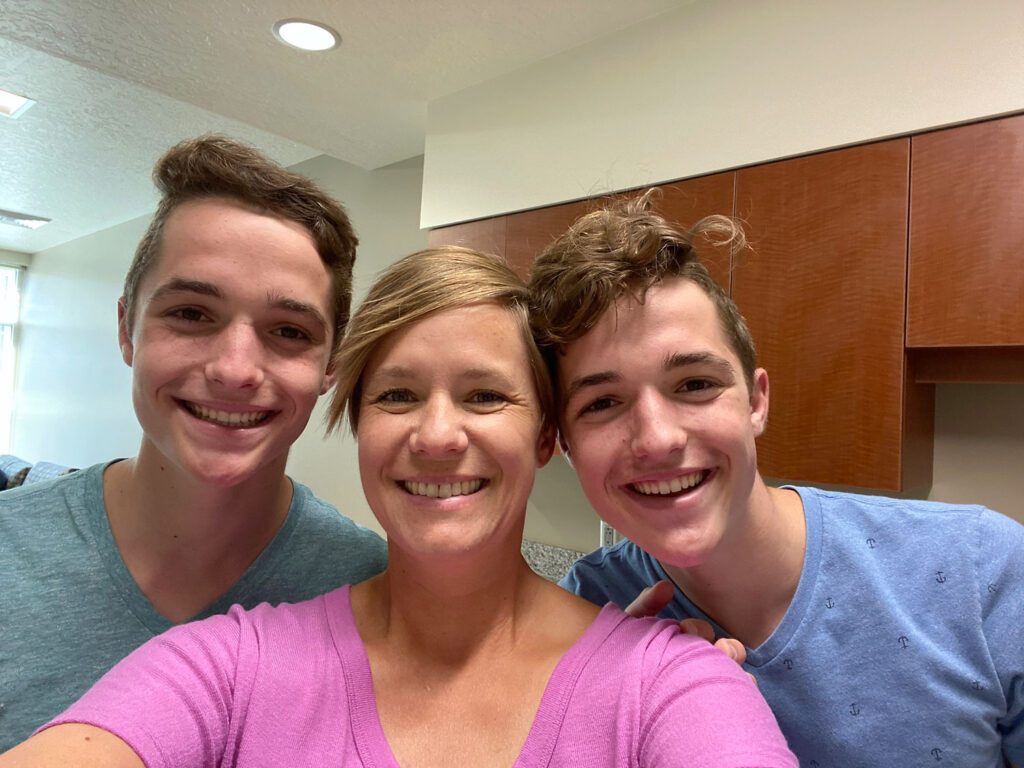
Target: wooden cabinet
{"type": "Point", "coordinates": [823, 290]}
{"type": "Point", "coordinates": [530, 232]}
{"type": "Point", "coordinates": [966, 261]}
{"type": "Point", "coordinates": [487, 235]}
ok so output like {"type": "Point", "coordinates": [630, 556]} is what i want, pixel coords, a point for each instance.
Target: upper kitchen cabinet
{"type": "Point", "coordinates": [487, 235]}
{"type": "Point", "coordinates": [966, 268]}
{"type": "Point", "coordinates": [530, 232]}
{"type": "Point", "coordinates": [823, 290]}
{"type": "Point", "coordinates": [684, 203]}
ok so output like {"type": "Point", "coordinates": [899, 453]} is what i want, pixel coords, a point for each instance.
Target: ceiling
{"type": "Point", "coordinates": [118, 81]}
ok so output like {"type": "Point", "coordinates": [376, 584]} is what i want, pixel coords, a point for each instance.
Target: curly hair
{"type": "Point", "coordinates": [626, 248]}
{"type": "Point", "coordinates": [216, 166]}
{"type": "Point", "coordinates": [433, 280]}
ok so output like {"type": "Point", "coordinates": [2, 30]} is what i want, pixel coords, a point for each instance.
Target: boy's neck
{"type": "Point", "coordinates": [184, 542]}
{"type": "Point", "coordinates": [747, 584]}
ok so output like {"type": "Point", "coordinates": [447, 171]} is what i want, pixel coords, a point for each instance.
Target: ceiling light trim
{"type": "Point", "coordinates": [12, 104]}
{"type": "Point", "coordinates": [22, 219]}
{"type": "Point", "coordinates": [306, 35]}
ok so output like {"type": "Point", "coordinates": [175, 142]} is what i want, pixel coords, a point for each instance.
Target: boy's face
{"type": "Point", "coordinates": [231, 341]}
{"type": "Point", "coordinates": [659, 423]}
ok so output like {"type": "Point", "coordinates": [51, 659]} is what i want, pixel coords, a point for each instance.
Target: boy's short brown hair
{"type": "Point", "coordinates": [626, 249]}
{"type": "Point", "coordinates": [213, 166]}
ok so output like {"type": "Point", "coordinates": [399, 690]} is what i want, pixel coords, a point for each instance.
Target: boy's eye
{"type": "Point", "coordinates": [600, 404]}
{"type": "Point", "coordinates": [189, 314]}
{"type": "Point", "coordinates": [290, 332]}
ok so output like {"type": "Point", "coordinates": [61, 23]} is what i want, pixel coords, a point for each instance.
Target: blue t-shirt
{"type": "Point", "coordinates": [904, 642]}
{"type": "Point", "coordinates": [70, 610]}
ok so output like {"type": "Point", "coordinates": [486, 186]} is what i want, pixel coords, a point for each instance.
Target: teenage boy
{"type": "Point", "coordinates": [881, 631]}
{"type": "Point", "coordinates": [237, 295]}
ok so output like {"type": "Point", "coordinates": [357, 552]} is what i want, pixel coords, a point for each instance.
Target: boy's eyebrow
{"type": "Point", "coordinates": [294, 305]}
{"type": "Point", "coordinates": [590, 380]}
{"type": "Point", "coordinates": [681, 360]}
{"type": "Point", "coordinates": [183, 285]}
{"type": "Point", "coordinates": [676, 360]}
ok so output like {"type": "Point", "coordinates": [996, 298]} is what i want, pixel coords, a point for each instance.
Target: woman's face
{"type": "Point", "coordinates": [450, 431]}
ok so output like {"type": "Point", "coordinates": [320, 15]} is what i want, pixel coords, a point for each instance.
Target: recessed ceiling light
{"type": "Point", "coordinates": [22, 220]}
{"type": "Point", "coordinates": [306, 35]}
{"type": "Point", "coordinates": [12, 105]}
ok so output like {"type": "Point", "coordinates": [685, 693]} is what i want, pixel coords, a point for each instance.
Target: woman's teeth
{"type": "Point", "coordinates": [226, 419]}
{"type": "Point", "coordinates": [675, 485]}
{"type": "Point", "coordinates": [443, 490]}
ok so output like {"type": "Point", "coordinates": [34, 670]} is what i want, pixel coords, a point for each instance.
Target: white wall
{"type": "Point", "coordinates": [73, 392]}
{"type": "Point", "coordinates": [714, 85]}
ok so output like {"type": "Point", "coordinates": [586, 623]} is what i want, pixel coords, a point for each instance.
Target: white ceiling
{"type": "Point", "coordinates": [119, 81]}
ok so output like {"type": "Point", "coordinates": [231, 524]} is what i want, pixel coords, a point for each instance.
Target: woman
{"type": "Point", "coordinates": [457, 654]}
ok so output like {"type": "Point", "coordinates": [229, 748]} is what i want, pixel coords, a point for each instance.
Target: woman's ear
{"type": "Point", "coordinates": [330, 378]}
{"type": "Point", "coordinates": [545, 443]}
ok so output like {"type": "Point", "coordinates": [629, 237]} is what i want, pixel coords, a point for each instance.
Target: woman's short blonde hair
{"type": "Point", "coordinates": [418, 285]}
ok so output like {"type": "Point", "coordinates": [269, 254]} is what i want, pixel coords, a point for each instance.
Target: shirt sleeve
{"type": "Point", "coordinates": [700, 705]}
{"type": "Point", "coordinates": [171, 700]}
{"type": "Point", "coordinates": [1001, 589]}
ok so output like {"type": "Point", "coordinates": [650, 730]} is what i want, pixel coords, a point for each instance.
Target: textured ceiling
{"type": "Point", "coordinates": [119, 81]}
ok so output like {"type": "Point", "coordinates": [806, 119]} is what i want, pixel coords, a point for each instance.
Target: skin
{"type": "Point", "coordinates": [458, 614]}
{"type": "Point", "coordinates": [652, 395]}
{"type": "Point", "coordinates": [234, 319]}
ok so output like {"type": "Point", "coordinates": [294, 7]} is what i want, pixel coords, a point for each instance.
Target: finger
{"type": "Point", "coordinates": [651, 600]}
{"type": "Point", "coordinates": [732, 648]}
{"type": "Point", "coordinates": [701, 629]}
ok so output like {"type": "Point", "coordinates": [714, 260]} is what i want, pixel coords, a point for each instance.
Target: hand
{"type": "Point", "coordinates": [654, 598]}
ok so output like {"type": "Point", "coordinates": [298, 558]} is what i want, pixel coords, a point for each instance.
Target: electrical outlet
{"type": "Point", "coordinates": [609, 535]}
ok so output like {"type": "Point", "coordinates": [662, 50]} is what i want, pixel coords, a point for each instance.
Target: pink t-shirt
{"type": "Point", "coordinates": [291, 686]}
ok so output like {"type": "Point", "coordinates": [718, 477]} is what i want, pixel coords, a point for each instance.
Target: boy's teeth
{"type": "Point", "coordinates": [443, 490]}
{"type": "Point", "coordinates": [665, 487]}
{"type": "Point", "coordinates": [226, 419]}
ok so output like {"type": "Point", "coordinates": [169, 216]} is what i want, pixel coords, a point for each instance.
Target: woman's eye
{"type": "Point", "coordinates": [487, 398]}
{"type": "Point", "coordinates": [394, 396]}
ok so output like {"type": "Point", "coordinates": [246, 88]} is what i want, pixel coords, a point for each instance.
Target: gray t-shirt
{"type": "Point", "coordinates": [69, 608]}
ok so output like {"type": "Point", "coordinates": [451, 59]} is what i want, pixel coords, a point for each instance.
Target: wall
{"type": "Point", "coordinates": [716, 85]}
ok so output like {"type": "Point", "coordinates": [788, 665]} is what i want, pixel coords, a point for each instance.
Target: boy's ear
{"type": "Point", "coordinates": [124, 339]}
{"type": "Point", "coordinates": [759, 402]}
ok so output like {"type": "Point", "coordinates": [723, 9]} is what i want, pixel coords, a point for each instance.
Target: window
{"type": "Point", "coordinates": [9, 303]}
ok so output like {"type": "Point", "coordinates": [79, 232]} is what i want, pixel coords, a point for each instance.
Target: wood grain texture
{"type": "Point", "coordinates": [823, 290]}
{"type": "Point", "coordinates": [684, 203]}
{"type": "Point", "coordinates": [981, 365]}
{"type": "Point", "coordinates": [966, 266]}
{"type": "Point", "coordinates": [487, 235]}
{"type": "Point", "coordinates": [530, 232]}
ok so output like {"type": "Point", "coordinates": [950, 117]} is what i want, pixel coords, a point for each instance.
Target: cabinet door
{"type": "Point", "coordinates": [966, 270]}
{"type": "Point", "coordinates": [823, 290]}
{"type": "Point", "coordinates": [487, 235]}
{"type": "Point", "coordinates": [684, 203]}
{"type": "Point", "coordinates": [530, 232]}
